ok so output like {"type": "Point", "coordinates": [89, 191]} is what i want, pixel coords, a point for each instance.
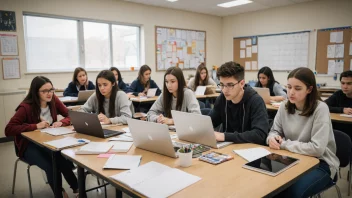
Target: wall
{"type": "Point", "coordinates": [298, 17]}
{"type": "Point", "coordinates": [119, 11]}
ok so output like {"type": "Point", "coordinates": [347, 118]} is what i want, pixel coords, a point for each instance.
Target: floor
{"type": "Point", "coordinates": [40, 189]}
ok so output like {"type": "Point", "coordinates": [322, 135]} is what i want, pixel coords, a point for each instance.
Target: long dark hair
{"type": "Point", "coordinates": [108, 75]}
{"type": "Point", "coordinates": [75, 73]}
{"type": "Point", "coordinates": [33, 98]}
{"type": "Point", "coordinates": [197, 78]}
{"type": "Point", "coordinates": [307, 77]}
{"type": "Point", "coordinates": [269, 73]}
{"type": "Point", "coordinates": [143, 69]}
{"type": "Point", "coordinates": [167, 96]}
{"type": "Point", "coordinates": [118, 73]}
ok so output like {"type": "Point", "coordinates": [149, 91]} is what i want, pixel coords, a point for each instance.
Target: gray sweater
{"type": "Point", "coordinates": [191, 83]}
{"type": "Point", "coordinates": [278, 90]}
{"type": "Point", "coordinates": [311, 135]}
{"type": "Point", "coordinates": [122, 107]}
{"type": "Point", "coordinates": [190, 104]}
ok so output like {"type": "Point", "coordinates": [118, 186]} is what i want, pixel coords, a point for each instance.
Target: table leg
{"type": "Point", "coordinates": [56, 174]}
{"type": "Point", "coordinates": [118, 193]}
{"type": "Point", "coordinates": [81, 182]}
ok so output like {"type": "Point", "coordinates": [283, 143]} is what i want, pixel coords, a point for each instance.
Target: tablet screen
{"type": "Point", "coordinates": [272, 163]}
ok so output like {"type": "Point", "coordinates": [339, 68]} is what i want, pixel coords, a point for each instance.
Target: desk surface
{"type": "Point", "coordinates": [215, 95]}
{"type": "Point", "coordinates": [217, 180]}
{"type": "Point", "coordinates": [144, 99]}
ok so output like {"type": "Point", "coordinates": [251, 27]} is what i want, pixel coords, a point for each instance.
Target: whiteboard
{"type": "Point", "coordinates": [183, 48]}
{"type": "Point", "coordinates": [284, 51]}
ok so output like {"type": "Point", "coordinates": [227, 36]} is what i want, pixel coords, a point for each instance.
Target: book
{"type": "Point", "coordinates": [252, 153]}
{"type": "Point", "coordinates": [95, 148]}
{"type": "Point", "coordinates": [66, 142]}
{"type": "Point", "coordinates": [121, 146]}
{"type": "Point", "coordinates": [215, 157]}
{"type": "Point", "coordinates": [123, 162]}
{"type": "Point", "coordinates": [156, 180]}
{"type": "Point", "coordinates": [57, 131]}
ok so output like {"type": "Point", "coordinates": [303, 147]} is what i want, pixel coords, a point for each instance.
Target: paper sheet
{"type": "Point", "coordinates": [330, 51]}
{"type": "Point", "coordinates": [333, 37]}
{"type": "Point", "coordinates": [351, 64]}
{"type": "Point", "coordinates": [249, 52]}
{"type": "Point", "coordinates": [242, 54]}
{"type": "Point", "coordinates": [339, 51]}
{"type": "Point", "coordinates": [123, 162]}
{"type": "Point", "coordinates": [339, 37]}
{"type": "Point", "coordinates": [350, 49]}
{"type": "Point", "coordinates": [252, 153]}
{"type": "Point", "coordinates": [11, 68]}
{"type": "Point", "coordinates": [254, 65]}
{"type": "Point", "coordinates": [249, 42]}
{"type": "Point", "coordinates": [255, 49]}
{"type": "Point", "coordinates": [248, 65]}
{"type": "Point", "coordinates": [331, 67]}
{"type": "Point", "coordinates": [242, 44]}
{"type": "Point", "coordinates": [339, 66]}
{"type": "Point", "coordinates": [8, 45]}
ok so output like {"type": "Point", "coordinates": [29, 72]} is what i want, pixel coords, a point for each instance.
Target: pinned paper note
{"type": "Point", "coordinates": [333, 37]}
{"type": "Point", "coordinates": [351, 64]}
{"type": "Point", "coordinates": [248, 42]}
{"type": "Point", "coordinates": [254, 65]}
{"type": "Point", "coordinates": [249, 52]}
{"type": "Point", "coordinates": [350, 49]}
{"type": "Point", "coordinates": [331, 51]}
{"type": "Point", "coordinates": [242, 54]}
{"type": "Point", "coordinates": [255, 49]}
{"type": "Point", "coordinates": [339, 66]}
{"type": "Point", "coordinates": [248, 65]}
{"type": "Point", "coordinates": [331, 67]}
{"type": "Point", "coordinates": [243, 44]}
{"type": "Point", "coordinates": [339, 50]}
{"type": "Point", "coordinates": [339, 37]}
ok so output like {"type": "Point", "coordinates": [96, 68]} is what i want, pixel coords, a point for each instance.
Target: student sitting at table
{"type": "Point", "coordinates": [175, 97]}
{"type": "Point", "coordinates": [122, 85]}
{"type": "Point", "coordinates": [240, 110]}
{"type": "Point", "coordinates": [201, 78]}
{"type": "Point", "coordinates": [79, 82]}
{"type": "Point", "coordinates": [140, 86]}
{"type": "Point", "coordinates": [39, 110]}
{"type": "Point", "coordinates": [110, 103]}
{"type": "Point", "coordinates": [302, 125]}
{"type": "Point", "coordinates": [266, 79]}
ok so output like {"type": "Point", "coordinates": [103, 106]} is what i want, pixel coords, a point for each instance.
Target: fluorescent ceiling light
{"type": "Point", "coordinates": [234, 3]}
{"type": "Point", "coordinates": [172, 0]}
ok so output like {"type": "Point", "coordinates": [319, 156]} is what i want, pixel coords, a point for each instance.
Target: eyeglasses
{"type": "Point", "coordinates": [228, 86]}
{"type": "Point", "coordinates": [47, 91]}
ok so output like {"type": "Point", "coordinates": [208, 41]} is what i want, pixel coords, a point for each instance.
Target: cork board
{"type": "Point", "coordinates": [252, 61]}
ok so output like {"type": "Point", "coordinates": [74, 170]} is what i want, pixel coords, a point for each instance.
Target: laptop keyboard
{"type": "Point", "coordinates": [222, 144]}
{"type": "Point", "coordinates": [108, 132]}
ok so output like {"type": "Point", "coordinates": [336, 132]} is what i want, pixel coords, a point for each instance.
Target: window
{"type": "Point", "coordinates": [55, 44]}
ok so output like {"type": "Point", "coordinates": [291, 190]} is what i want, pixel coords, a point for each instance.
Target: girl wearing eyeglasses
{"type": "Point", "coordinates": [79, 82]}
{"type": "Point", "coordinates": [175, 97]}
{"type": "Point", "coordinates": [39, 110]}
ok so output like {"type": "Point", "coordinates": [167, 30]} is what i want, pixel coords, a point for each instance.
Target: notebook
{"type": "Point", "coordinates": [252, 153]}
{"type": "Point", "coordinates": [123, 162]}
{"type": "Point", "coordinates": [147, 177]}
{"type": "Point", "coordinates": [122, 138]}
{"type": "Point", "coordinates": [121, 146]}
{"type": "Point", "coordinates": [66, 142]}
{"type": "Point", "coordinates": [58, 131]}
{"type": "Point", "coordinates": [95, 148]}
{"type": "Point", "coordinates": [200, 90]}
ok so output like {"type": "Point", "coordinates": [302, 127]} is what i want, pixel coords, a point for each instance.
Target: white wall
{"type": "Point", "coordinates": [298, 17]}
{"type": "Point", "coordinates": [119, 11]}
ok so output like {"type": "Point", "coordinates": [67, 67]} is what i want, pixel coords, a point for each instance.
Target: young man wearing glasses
{"type": "Point", "coordinates": [239, 108]}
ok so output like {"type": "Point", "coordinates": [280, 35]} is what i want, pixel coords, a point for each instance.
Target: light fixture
{"type": "Point", "coordinates": [172, 0]}
{"type": "Point", "coordinates": [234, 3]}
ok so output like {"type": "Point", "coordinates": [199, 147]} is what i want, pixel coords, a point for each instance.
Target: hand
{"type": "Point", "coordinates": [160, 119]}
{"type": "Point", "coordinates": [277, 98]}
{"type": "Point", "coordinates": [56, 124]}
{"type": "Point", "coordinates": [102, 118]}
{"type": "Point", "coordinates": [275, 142]}
{"type": "Point", "coordinates": [141, 94]}
{"type": "Point", "coordinates": [219, 136]}
{"type": "Point", "coordinates": [347, 111]}
{"type": "Point", "coordinates": [130, 95]}
{"type": "Point", "coordinates": [42, 125]}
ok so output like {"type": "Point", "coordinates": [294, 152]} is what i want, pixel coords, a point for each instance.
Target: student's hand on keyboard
{"type": "Point", "coordinates": [102, 118]}
{"type": "Point", "coordinates": [219, 136]}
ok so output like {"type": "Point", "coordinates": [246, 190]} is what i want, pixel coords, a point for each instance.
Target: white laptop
{"type": "Point", "coordinates": [152, 136]}
{"type": "Point", "coordinates": [264, 93]}
{"type": "Point", "coordinates": [196, 128]}
{"type": "Point", "coordinates": [151, 92]}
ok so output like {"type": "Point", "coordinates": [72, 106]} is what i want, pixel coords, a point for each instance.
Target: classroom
{"type": "Point", "coordinates": [69, 59]}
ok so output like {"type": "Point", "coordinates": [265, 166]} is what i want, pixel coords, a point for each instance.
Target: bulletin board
{"type": "Point", "coordinates": [244, 54]}
{"type": "Point", "coordinates": [182, 48]}
{"type": "Point", "coordinates": [334, 50]}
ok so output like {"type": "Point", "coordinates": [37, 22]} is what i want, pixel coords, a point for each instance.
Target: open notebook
{"type": "Point", "coordinates": [123, 162]}
{"type": "Point", "coordinates": [57, 131]}
{"type": "Point", "coordinates": [147, 177]}
{"type": "Point", "coordinates": [95, 148]}
{"type": "Point", "coordinates": [66, 142]}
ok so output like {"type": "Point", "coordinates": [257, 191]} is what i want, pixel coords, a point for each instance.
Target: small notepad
{"type": "Point", "coordinates": [252, 153]}
{"type": "Point", "coordinates": [65, 142]}
{"type": "Point", "coordinates": [123, 162]}
{"type": "Point", "coordinates": [57, 131]}
{"type": "Point", "coordinates": [95, 148]}
{"type": "Point", "coordinates": [121, 146]}
{"type": "Point", "coordinates": [147, 177]}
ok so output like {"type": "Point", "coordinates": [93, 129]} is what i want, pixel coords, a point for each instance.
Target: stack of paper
{"type": "Point", "coordinates": [65, 142]}
{"type": "Point", "coordinates": [123, 162]}
{"type": "Point", "coordinates": [122, 138]}
{"type": "Point", "coordinates": [252, 153]}
{"type": "Point", "coordinates": [147, 177]}
{"type": "Point", "coordinates": [95, 148]}
{"type": "Point", "coordinates": [200, 90]}
{"type": "Point", "coordinates": [121, 146]}
{"type": "Point", "coordinates": [57, 131]}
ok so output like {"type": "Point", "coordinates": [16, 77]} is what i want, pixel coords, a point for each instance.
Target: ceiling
{"type": "Point", "coordinates": [210, 6]}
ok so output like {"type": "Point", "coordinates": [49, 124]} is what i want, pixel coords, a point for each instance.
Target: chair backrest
{"type": "Point", "coordinates": [343, 147]}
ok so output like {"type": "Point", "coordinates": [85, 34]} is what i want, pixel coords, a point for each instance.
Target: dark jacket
{"type": "Point", "coordinates": [24, 121]}
{"type": "Point", "coordinates": [72, 89]}
{"type": "Point", "coordinates": [122, 86]}
{"type": "Point", "coordinates": [245, 122]}
{"type": "Point", "coordinates": [136, 87]}
{"type": "Point", "coordinates": [338, 101]}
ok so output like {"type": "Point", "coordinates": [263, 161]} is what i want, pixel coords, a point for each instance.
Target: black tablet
{"type": "Point", "coordinates": [272, 164]}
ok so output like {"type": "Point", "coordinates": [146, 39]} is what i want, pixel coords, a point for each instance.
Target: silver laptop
{"type": "Point", "coordinates": [196, 128]}
{"type": "Point", "coordinates": [89, 124]}
{"type": "Point", "coordinates": [264, 93]}
{"type": "Point", "coordinates": [84, 95]}
{"type": "Point", "coordinates": [151, 92]}
{"type": "Point", "coordinates": [152, 136]}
